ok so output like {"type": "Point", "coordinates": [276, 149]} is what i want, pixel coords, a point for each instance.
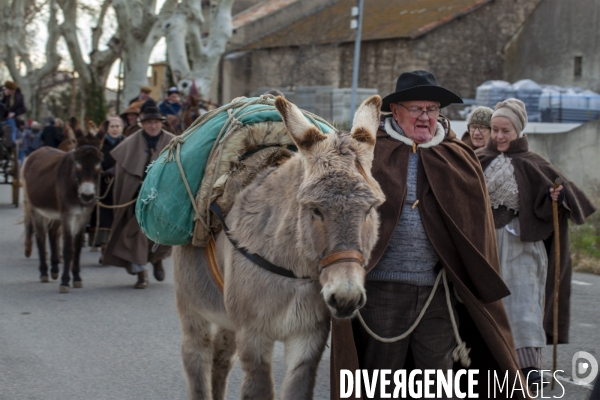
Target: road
{"type": "Point", "coordinates": [109, 341]}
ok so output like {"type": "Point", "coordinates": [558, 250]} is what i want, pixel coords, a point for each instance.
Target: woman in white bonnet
{"type": "Point", "coordinates": [520, 186]}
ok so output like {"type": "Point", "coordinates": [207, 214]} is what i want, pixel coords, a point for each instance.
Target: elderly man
{"type": "Point", "coordinates": [127, 246]}
{"type": "Point", "coordinates": [435, 226]}
{"type": "Point", "coordinates": [143, 99]}
{"type": "Point", "coordinates": [14, 106]}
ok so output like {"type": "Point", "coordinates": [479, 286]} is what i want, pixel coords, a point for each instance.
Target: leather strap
{"type": "Point", "coordinates": [255, 258]}
{"type": "Point", "coordinates": [342, 256]}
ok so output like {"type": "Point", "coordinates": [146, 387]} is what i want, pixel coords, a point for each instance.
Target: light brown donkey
{"type": "Point", "coordinates": [314, 215]}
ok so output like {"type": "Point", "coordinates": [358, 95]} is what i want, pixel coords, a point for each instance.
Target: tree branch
{"type": "Point", "coordinates": [97, 30]}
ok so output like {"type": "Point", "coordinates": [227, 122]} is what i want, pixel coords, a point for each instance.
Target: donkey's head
{"type": "Point", "coordinates": [87, 159]}
{"type": "Point", "coordinates": [338, 199]}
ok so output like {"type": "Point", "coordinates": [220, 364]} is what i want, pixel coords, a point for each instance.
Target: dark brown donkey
{"type": "Point", "coordinates": [60, 192]}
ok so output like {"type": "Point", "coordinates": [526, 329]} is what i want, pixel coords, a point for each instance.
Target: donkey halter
{"type": "Point", "coordinates": [342, 256]}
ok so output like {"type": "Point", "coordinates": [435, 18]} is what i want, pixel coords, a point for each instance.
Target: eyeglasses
{"type": "Point", "coordinates": [479, 128]}
{"type": "Point", "coordinates": [416, 112]}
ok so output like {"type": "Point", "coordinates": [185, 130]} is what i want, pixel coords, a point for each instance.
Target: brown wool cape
{"type": "Point", "coordinates": [127, 243]}
{"type": "Point", "coordinates": [535, 176]}
{"type": "Point", "coordinates": [456, 214]}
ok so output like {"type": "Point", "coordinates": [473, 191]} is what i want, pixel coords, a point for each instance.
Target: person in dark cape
{"type": "Point", "coordinates": [478, 128]}
{"type": "Point", "coordinates": [433, 228]}
{"type": "Point", "coordinates": [520, 184]}
{"type": "Point", "coordinates": [101, 222]}
{"type": "Point", "coordinates": [128, 246]}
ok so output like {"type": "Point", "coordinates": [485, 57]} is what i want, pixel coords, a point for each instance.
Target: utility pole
{"type": "Point", "coordinates": [356, 24]}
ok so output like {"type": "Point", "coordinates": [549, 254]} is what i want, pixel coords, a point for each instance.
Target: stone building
{"type": "Point", "coordinates": [559, 44]}
{"type": "Point", "coordinates": [460, 41]}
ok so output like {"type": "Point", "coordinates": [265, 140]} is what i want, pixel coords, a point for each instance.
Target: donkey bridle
{"type": "Point", "coordinates": [327, 261]}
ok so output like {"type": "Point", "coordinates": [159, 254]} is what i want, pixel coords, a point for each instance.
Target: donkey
{"type": "Point", "coordinates": [314, 215]}
{"type": "Point", "coordinates": [60, 193]}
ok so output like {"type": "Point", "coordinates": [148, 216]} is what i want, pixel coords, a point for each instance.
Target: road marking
{"type": "Point", "coordinates": [568, 380]}
{"type": "Point", "coordinates": [581, 283]}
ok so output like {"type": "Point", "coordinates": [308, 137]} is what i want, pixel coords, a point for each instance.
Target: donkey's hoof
{"type": "Point", "coordinates": [64, 289]}
{"type": "Point", "coordinates": [54, 275]}
{"type": "Point", "coordinates": [44, 278]}
{"type": "Point", "coordinates": [77, 284]}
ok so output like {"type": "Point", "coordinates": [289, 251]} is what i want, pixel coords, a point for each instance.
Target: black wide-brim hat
{"type": "Point", "coordinates": [419, 85]}
{"type": "Point", "coordinates": [151, 113]}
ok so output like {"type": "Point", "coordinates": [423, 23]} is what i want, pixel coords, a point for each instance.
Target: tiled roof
{"type": "Point", "coordinates": [383, 19]}
{"type": "Point", "coordinates": [259, 11]}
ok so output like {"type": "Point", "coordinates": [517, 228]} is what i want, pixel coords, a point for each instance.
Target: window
{"type": "Point", "coordinates": [578, 63]}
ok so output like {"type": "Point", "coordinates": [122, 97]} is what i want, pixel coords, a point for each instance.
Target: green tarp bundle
{"type": "Point", "coordinates": [164, 209]}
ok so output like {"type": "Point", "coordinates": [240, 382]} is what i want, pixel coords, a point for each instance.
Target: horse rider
{"type": "Point", "coordinates": [432, 244]}
{"type": "Point", "coordinates": [130, 119]}
{"type": "Point", "coordinates": [14, 106]}
{"type": "Point", "coordinates": [143, 99]}
{"type": "Point", "coordinates": [127, 246]}
{"type": "Point", "coordinates": [171, 108]}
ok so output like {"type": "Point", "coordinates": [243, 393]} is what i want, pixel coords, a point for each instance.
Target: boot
{"type": "Point", "coordinates": [159, 271]}
{"type": "Point", "coordinates": [142, 282]}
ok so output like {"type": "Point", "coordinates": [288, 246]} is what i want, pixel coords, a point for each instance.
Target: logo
{"type": "Point", "coordinates": [584, 368]}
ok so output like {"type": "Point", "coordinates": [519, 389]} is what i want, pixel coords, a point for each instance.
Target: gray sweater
{"type": "Point", "coordinates": [410, 256]}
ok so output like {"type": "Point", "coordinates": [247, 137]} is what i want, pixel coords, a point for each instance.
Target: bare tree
{"type": "Point", "coordinates": [196, 43]}
{"type": "Point", "coordinates": [14, 40]}
{"type": "Point", "coordinates": [93, 74]}
{"type": "Point", "coordinates": [140, 28]}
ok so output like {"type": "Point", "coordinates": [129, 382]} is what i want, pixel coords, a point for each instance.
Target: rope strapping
{"type": "Point", "coordinates": [460, 352]}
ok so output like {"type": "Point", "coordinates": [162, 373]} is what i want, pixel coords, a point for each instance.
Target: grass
{"type": "Point", "coordinates": [585, 240]}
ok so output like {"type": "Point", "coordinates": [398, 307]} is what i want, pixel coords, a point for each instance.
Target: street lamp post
{"type": "Point", "coordinates": [356, 24]}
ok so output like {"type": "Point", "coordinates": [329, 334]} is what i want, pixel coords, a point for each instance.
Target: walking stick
{"type": "Point", "coordinates": [557, 183]}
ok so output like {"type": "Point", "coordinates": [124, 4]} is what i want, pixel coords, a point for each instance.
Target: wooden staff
{"type": "Point", "coordinates": [557, 183]}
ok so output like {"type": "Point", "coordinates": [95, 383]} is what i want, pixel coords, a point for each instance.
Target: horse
{"type": "Point", "coordinates": [313, 216]}
{"type": "Point", "coordinates": [60, 192]}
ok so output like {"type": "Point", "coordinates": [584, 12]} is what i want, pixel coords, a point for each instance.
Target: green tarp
{"type": "Point", "coordinates": [164, 209]}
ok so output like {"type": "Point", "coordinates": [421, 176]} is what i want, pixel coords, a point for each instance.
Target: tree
{"type": "Point", "coordinates": [195, 45]}
{"type": "Point", "coordinates": [140, 28]}
{"type": "Point", "coordinates": [92, 74]}
{"type": "Point", "coordinates": [16, 16]}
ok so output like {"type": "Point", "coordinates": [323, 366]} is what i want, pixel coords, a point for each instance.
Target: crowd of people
{"type": "Point", "coordinates": [477, 211]}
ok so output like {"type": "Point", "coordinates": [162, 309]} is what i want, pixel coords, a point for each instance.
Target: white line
{"type": "Point", "coordinates": [581, 283]}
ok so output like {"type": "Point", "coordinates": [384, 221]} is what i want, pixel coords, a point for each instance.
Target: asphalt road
{"type": "Point", "coordinates": [109, 341]}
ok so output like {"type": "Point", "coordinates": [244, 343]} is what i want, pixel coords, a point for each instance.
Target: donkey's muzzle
{"type": "Point", "coordinates": [342, 307]}
{"type": "Point", "coordinates": [87, 198]}
{"type": "Point", "coordinates": [342, 277]}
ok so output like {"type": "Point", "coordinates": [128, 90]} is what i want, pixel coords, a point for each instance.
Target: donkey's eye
{"type": "Point", "coordinates": [317, 213]}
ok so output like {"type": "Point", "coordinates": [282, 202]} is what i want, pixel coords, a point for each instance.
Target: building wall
{"type": "Point", "coordinates": [462, 54]}
{"type": "Point", "coordinates": [574, 153]}
{"type": "Point", "coordinates": [545, 48]}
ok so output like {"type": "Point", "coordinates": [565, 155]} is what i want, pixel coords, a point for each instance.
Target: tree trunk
{"type": "Point", "coordinates": [135, 59]}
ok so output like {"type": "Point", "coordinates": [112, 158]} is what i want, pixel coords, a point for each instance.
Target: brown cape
{"type": "Point", "coordinates": [534, 176]}
{"type": "Point", "coordinates": [127, 243]}
{"type": "Point", "coordinates": [456, 214]}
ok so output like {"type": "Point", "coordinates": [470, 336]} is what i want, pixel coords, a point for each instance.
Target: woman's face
{"type": "Point", "coordinates": [115, 129]}
{"type": "Point", "coordinates": [479, 135]}
{"type": "Point", "coordinates": [132, 119]}
{"type": "Point", "coordinates": [503, 132]}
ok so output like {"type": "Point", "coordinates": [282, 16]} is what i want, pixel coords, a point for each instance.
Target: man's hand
{"type": "Point", "coordinates": [11, 114]}
{"type": "Point", "coordinates": [555, 193]}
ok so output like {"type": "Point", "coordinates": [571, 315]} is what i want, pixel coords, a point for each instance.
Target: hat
{"type": "Point", "coordinates": [419, 85]}
{"type": "Point", "coordinates": [151, 113]}
{"type": "Point", "coordinates": [515, 111]}
{"type": "Point", "coordinates": [481, 116]}
{"type": "Point", "coordinates": [11, 85]}
{"type": "Point", "coordinates": [132, 109]}
{"type": "Point", "coordinates": [173, 90]}
{"type": "Point", "coordinates": [145, 89]}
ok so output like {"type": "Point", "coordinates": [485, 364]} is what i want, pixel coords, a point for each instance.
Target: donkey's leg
{"type": "Point", "coordinates": [302, 356]}
{"type": "Point", "coordinates": [256, 353]}
{"type": "Point", "coordinates": [77, 245]}
{"type": "Point", "coordinates": [40, 226]}
{"type": "Point", "coordinates": [53, 234]}
{"type": "Point", "coordinates": [223, 352]}
{"type": "Point", "coordinates": [67, 257]}
{"type": "Point", "coordinates": [196, 352]}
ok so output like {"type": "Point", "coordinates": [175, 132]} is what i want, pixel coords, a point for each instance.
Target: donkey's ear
{"type": "Point", "coordinates": [304, 134]}
{"type": "Point", "coordinates": [366, 121]}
